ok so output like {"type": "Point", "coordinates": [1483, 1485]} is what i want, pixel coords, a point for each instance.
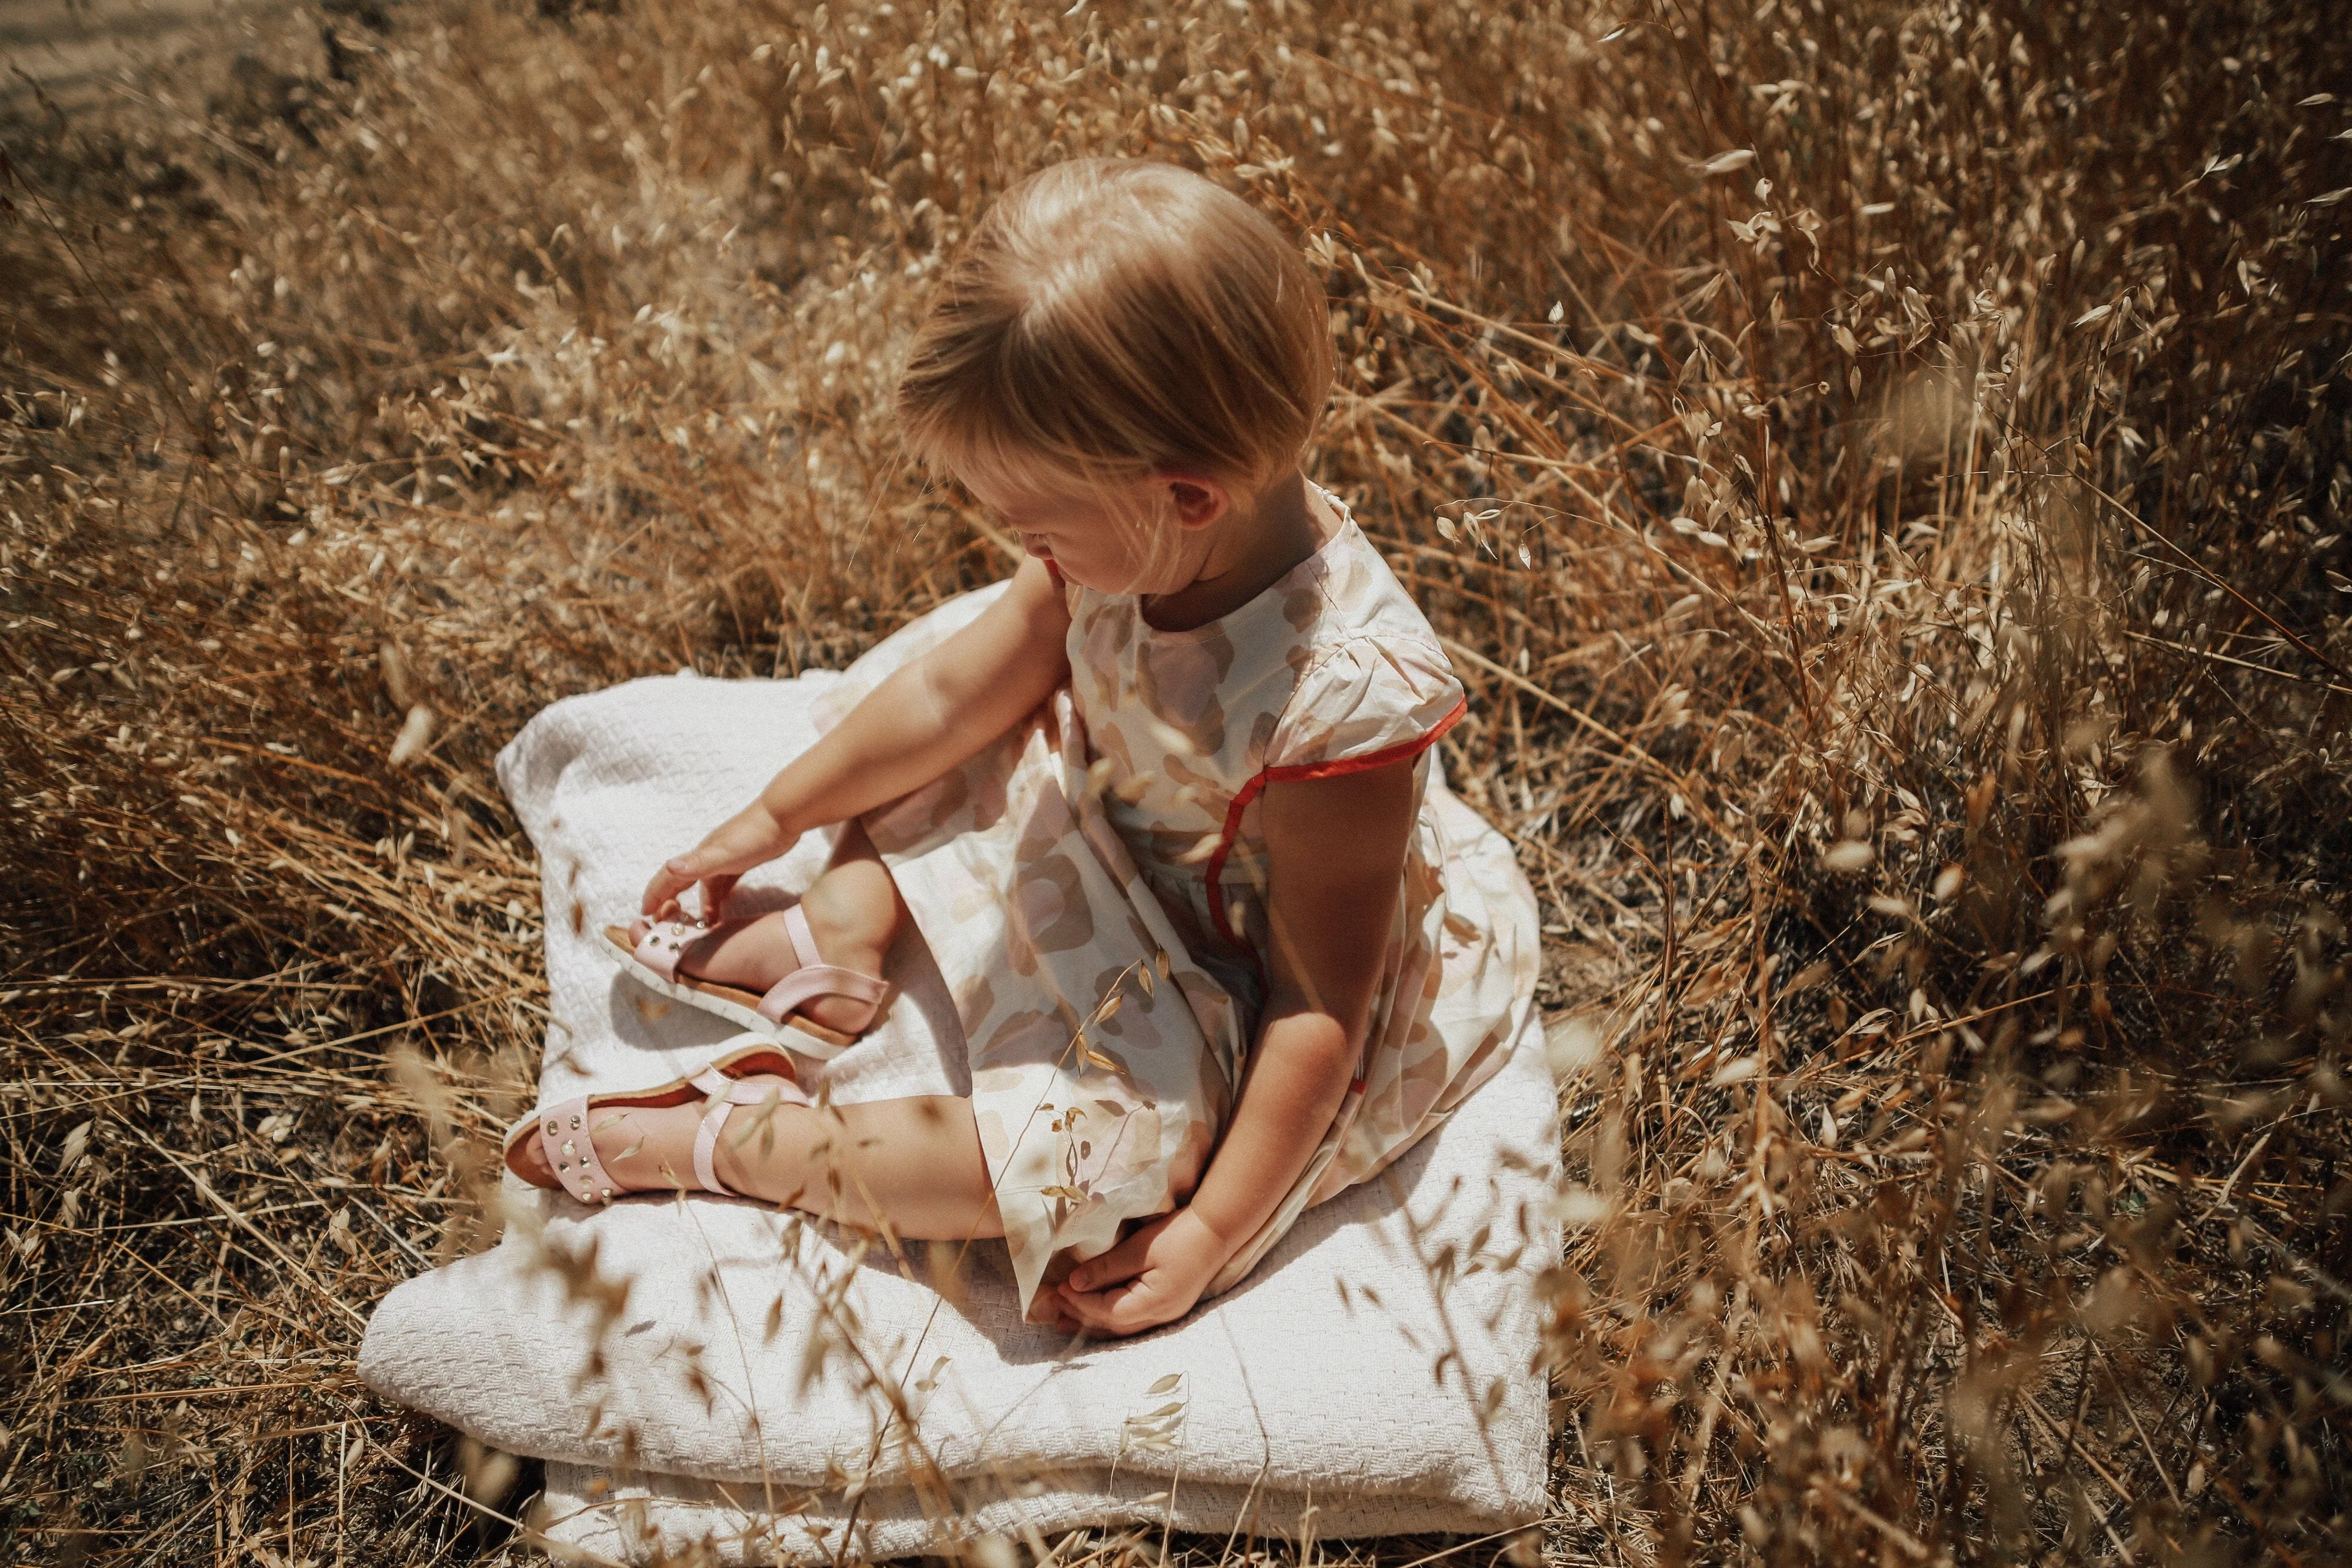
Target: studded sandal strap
{"type": "Point", "coordinates": [725, 1094]}
{"type": "Point", "coordinates": [571, 1153]}
{"type": "Point", "coordinates": [663, 943]}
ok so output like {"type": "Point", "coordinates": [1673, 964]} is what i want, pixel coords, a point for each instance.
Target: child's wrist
{"type": "Point", "coordinates": [1220, 1239]}
{"type": "Point", "coordinates": [775, 832]}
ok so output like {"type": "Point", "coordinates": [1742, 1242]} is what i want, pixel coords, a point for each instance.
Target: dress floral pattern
{"type": "Point", "coordinates": [1092, 887]}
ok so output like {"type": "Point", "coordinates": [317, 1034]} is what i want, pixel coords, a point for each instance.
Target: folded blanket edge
{"type": "Point", "coordinates": [592, 1510]}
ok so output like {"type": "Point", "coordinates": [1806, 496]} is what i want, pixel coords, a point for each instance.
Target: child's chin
{"type": "Point", "coordinates": [1110, 580]}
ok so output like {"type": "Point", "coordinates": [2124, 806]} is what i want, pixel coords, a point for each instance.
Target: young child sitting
{"type": "Point", "coordinates": [1163, 807]}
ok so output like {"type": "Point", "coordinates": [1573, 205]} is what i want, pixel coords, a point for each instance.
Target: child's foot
{"type": "Point", "coordinates": [753, 955]}
{"type": "Point", "coordinates": [714, 1132]}
{"type": "Point", "coordinates": [643, 1148]}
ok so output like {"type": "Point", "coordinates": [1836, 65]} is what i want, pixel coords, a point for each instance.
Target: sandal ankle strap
{"type": "Point", "coordinates": [725, 1094]}
{"type": "Point", "coordinates": [815, 978]}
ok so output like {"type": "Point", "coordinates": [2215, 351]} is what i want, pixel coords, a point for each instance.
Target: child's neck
{"type": "Point", "coordinates": [1255, 543]}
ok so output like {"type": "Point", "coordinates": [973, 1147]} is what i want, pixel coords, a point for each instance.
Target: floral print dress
{"type": "Point", "coordinates": [1092, 887]}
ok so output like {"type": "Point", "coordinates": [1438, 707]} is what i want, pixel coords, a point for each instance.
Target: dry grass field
{"type": "Point", "coordinates": [1882, 467]}
{"type": "Point", "coordinates": [78, 56]}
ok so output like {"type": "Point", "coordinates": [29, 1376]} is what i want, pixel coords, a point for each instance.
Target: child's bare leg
{"type": "Point", "coordinates": [854, 911]}
{"type": "Point", "coordinates": [914, 1162]}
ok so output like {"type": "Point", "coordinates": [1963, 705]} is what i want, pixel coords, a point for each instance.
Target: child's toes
{"type": "Point", "coordinates": [529, 1161]}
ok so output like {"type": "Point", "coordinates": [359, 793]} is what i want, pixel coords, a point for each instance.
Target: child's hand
{"type": "Point", "coordinates": [1153, 1277]}
{"type": "Point", "coordinates": [750, 838]}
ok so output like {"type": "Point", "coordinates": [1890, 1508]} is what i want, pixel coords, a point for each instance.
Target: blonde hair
{"type": "Point", "coordinates": [1115, 319]}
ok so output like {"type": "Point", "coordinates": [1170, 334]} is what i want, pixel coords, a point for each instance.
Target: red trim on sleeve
{"type": "Point", "coordinates": [1339, 768]}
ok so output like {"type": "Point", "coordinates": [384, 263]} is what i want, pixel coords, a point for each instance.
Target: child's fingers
{"type": "Point", "coordinates": [716, 892]}
{"type": "Point", "coordinates": [1050, 1311]}
{"type": "Point", "coordinates": [1124, 1261]}
{"type": "Point", "coordinates": [661, 893]}
{"type": "Point", "coordinates": [739, 843]}
{"type": "Point", "coordinates": [677, 875]}
{"type": "Point", "coordinates": [1099, 1311]}
{"type": "Point", "coordinates": [1135, 1310]}
{"type": "Point", "coordinates": [1122, 1310]}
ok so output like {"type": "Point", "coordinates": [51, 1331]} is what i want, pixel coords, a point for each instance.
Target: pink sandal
{"type": "Point", "coordinates": [752, 1076]}
{"type": "Point", "coordinates": [653, 961]}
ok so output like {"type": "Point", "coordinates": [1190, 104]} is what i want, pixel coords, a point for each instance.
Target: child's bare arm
{"type": "Point", "coordinates": [1334, 849]}
{"type": "Point", "coordinates": [927, 717]}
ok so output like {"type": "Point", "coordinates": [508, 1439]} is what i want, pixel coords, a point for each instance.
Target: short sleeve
{"type": "Point", "coordinates": [1364, 703]}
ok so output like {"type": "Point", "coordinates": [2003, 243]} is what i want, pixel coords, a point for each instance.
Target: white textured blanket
{"type": "Point", "coordinates": [709, 1370]}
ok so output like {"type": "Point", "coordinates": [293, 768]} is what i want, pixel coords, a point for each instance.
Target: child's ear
{"type": "Point", "coordinates": [1196, 500]}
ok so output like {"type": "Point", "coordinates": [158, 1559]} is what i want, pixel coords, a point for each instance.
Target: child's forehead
{"type": "Point", "coordinates": [1008, 479]}
{"type": "Point", "coordinates": [1001, 489]}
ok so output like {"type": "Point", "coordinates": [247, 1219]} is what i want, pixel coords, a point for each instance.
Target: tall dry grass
{"type": "Point", "coordinates": [1881, 468]}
